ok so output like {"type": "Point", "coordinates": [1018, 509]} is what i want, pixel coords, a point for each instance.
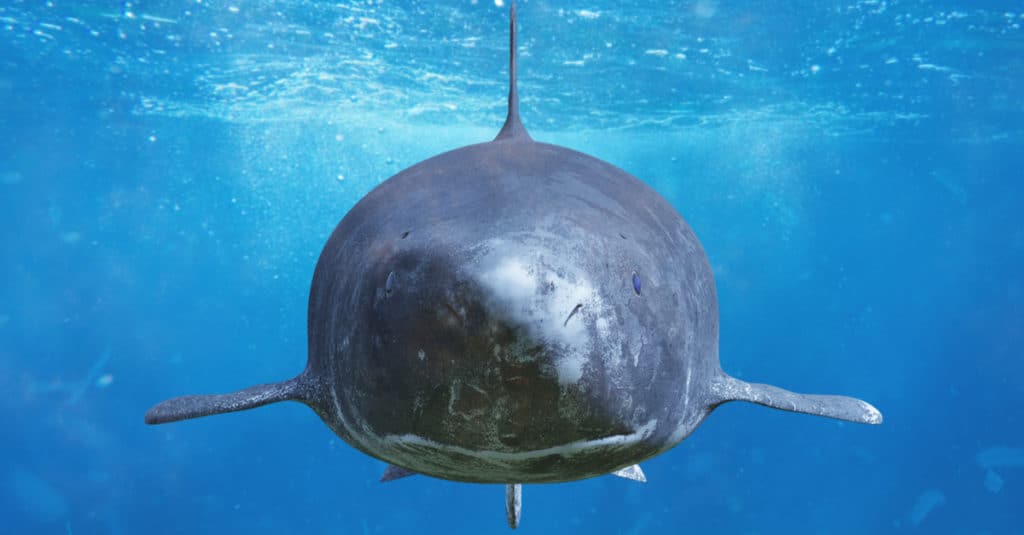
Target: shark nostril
{"type": "Point", "coordinates": [405, 235]}
{"type": "Point", "coordinates": [573, 313]}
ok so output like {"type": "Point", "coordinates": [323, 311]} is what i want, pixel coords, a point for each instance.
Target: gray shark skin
{"type": "Point", "coordinates": [513, 312]}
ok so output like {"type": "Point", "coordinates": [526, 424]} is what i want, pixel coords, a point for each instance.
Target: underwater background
{"type": "Point", "coordinates": [169, 171]}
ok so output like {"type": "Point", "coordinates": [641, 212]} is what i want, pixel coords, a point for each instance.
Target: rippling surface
{"type": "Point", "coordinates": [847, 66]}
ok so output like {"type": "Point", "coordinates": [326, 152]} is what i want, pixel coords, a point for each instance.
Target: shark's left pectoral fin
{"type": "Point", "coordinates": [725, 388]}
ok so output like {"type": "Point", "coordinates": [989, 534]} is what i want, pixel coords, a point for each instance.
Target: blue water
{"type": "Point", "coordinates": [170, 170]}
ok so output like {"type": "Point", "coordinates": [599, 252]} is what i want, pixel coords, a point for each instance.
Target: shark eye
{"type": "Point", "coordinates": [636, 283]}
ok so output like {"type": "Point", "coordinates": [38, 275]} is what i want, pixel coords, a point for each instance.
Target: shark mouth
{"type": "Point", "coordinates": [514, 491]}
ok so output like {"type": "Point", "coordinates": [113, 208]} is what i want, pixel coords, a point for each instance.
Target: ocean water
{"type": "Point", "coordinates": [169, 171]}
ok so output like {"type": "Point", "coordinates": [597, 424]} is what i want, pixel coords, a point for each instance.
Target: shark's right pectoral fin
{"type": "Point", "coordinates": [725, 388]}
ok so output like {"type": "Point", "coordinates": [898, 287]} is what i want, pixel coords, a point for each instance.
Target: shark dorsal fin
{"type": "Point", "coordinates": [513, 128]}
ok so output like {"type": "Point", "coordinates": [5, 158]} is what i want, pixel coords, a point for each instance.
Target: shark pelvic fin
{"type": "Point", "coordinates": [393, 472]}
{"type": "Point", "coordinates": [631, 472]}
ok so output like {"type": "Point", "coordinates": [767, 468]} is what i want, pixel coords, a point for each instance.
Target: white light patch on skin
{"type": "Point", "coordinates": [514, 277]}
{"type": "Point", "coordinates": [573, 334]}
{"type": "Point", "coordinates": [602, 327]}
{"type": "Point", "coordinates": [510, 281]}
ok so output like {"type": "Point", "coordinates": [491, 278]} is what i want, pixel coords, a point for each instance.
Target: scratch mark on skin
{"type": "Point", "coordinates": [453, 396]}
{"type": "Point", "coordinates": [573, 313]}
{"type": "Point", "coordinates": [636, 356]}
{"type": "Point", "coordinates": [455, 314]}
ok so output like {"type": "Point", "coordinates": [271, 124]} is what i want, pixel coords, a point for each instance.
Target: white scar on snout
{"type": "Point", "coordinates": [510, 281]}
{"type": "Point", "coordinates": [515, 289]}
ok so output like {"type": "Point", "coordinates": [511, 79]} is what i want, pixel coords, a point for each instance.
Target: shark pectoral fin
{"type": "Point", "coordinates": [393, 472]}
{"type": "Point", "coordinates": [725, 388]}
{"type": "Point", "coordinates": [631, 472]}
{"type": "Point", "coordinates": [513, 504]}
{"type": "Point", "coordinates": [186, 407]}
